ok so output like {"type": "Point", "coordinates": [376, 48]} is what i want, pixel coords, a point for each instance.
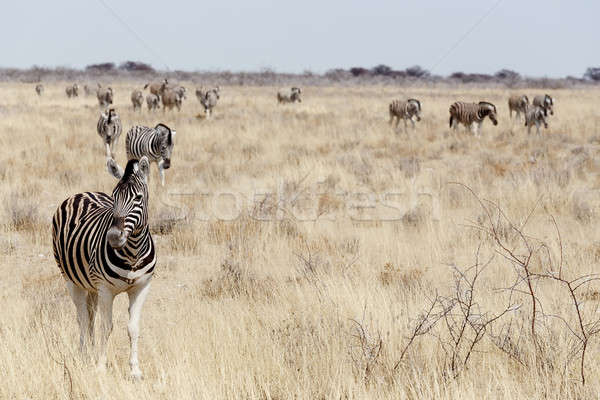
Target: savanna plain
{"type": "Point", "coordinates": [310, 251]}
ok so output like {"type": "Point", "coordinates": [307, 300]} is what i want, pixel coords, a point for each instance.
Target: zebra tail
{"type": "Point", "coordinates": [451, 118]}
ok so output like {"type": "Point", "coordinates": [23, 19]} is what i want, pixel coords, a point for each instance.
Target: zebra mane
{"type": "Point", "coordinates": [130, 169]}
{"type": "Point", "coordinates": [524, 97]}
{"type": "Point", "coordinates": [481, 103]}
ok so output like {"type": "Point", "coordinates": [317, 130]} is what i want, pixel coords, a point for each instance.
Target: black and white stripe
{"type": "Point", "coordinates": [103, 247]}
{"type": "Point", "coordinates": [472, 114]}
{"type": "Point", "coordinates": [155, 143]}
{"type": "Point", "coordinates": [545, 101]}
{"type": "Point", "coordinates": [536, 115]}
{"type": "Point", "coordinates": [109, 128]}
{"type": "Point", "coordinates": [407, 110]}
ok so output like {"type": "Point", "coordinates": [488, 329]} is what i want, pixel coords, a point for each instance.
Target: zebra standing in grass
{"type": "Point", "coordinates": [172, 98]}
{"type": "Point", "coordinates": [72, 91]}
{"type": "Point", "coordinates": [209, 100]}
{"type": "Point", "coordinates": [105, 96]}
{"type": "Point", "coordinates": [137, 99]}
{"type": "Point", "coordinates": [545, 101]}
{"type": "Point", "coordinates": [109, 128]}
{"type": "Point", "coordinates": [518, 104]}
{"type": "Point", "coordinates": [39, 89]}
{"type": "Point", "coordinates": [405, 109]}
{"type": "Point", "coordinates": [536, 115]}
{"type": "Point", "coordinates": [153, 102]}
{"type": "Point", "coordinates": [155, 143]}
{"type": "Point", "coordinates": [289, 97]}
{"type": "Point", "coordinates": [472, 114]}
{"type": "Point", "coordinates": [103, 247]}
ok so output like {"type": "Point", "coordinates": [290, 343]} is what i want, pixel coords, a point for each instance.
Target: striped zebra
{"type": "Point", "coordinates": [472, 114]}
{"type": "Point", "coordinates": [72, 91]}
{"type": "Point", "coordinates": [155, 143]}
{"type": "Point", "coordinates": [105, 96]}
{"type": "Point", "coordinates": [109, 128]}
{"type": "Point", "coordinates": [545, 101]}
{"type": "Point", "coordinates": [153, 102]}
{"type": "Point", "coordinates": [172, 98]}
{"type": "Point", "coordinates": [103, 247]}
{"type": "Point", "coordinates": [137, 100]}
{"type": "Point", "coordinates": [518, 104]}
{"type": "Point", "coordinates": [408, 110]}
{"type": "Point", "coordinates": [289, 97]}
{"type": "Point", "coordinates": [209, 101]}
{"type": "Point", "coordinates": [536, 115]}
{"type": "Point", "coordinates": [39, 89]}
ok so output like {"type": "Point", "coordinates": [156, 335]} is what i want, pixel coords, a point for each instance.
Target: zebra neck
{"type": "Point", "coordinates": [137, 253]}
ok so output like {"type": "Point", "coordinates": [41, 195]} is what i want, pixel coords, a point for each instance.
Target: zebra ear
{"type": "Point", "coordinates": [144, 167]}
{"type": "Point", "coordinates": [114, 169]}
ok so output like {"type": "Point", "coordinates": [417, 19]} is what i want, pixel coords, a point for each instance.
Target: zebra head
{"type": "Point", "coordinates": [524, 101]}
{"type": "Point", "coordinates": [549, 103]}
{"type": "Point", "coordinates": [167, 136]}
{"type": "Point", "coordinates": [130, 207]}
{"type": "Point", "coordinates": [488, 109]}
{"type": "Point", "coordinates": [295, 96]}
{"type": "Point", "coordinates": [415, 108]}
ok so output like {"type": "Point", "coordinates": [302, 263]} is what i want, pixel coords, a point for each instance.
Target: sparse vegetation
{"type": "Point", "coordinates": [283, 270]}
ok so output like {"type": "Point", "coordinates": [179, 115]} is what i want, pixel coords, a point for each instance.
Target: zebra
{"type": "Point", "coordinates": [535, 115]}
{"type": "Point", "coordinates": [72, 91]}
{"type": "Point", "coordinates": [209, 101]}
{"type": "Point", "coordinates": [105, 96]}
{"type": "Point", "coordinates": [472, 114]}
{"type": "Point", "coordinates": [137, 99]}
{"type": "Point", "coordinates": [157, 88]}
{"type": "Point", "coordinates": [109, 128]}
{"type": "Point", "coordinates": [39, 89]}
{"type": "Point", "coordinates": [155, 143]}
{"type": "Point", "coordinates": [289, 97]}
{"type": "Point", "coordinates": [172, 98]}
{"type": "Point", "coordinates": [103, 247]}
{"type": "Point", "coordinates": [405, 109]}
{"type": "Point", "coordinates": [545, 101]}
{"type": "Point", "coordinates": [153, 102]}
{"type": "Point", "coordinates": [518, 104]}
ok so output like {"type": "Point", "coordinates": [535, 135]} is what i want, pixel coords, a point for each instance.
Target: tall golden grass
{"type": "Point", "coordinates": [298, 245]}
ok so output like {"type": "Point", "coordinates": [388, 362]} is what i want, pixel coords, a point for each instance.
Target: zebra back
{"type": "Point", "coordinates": [109, 126]}
{"type": "Point", "coordinates": [155, 143]}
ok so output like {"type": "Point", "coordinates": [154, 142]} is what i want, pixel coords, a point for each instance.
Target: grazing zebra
{"type": "Point", "coordinates": [157, 87]}
{"type": "Point", "coordinates": [153, 102]}
{"type": "Point", "coordinates": [39, 89]}
{"type": "Point", "coordinates": [545, 101]}
{"type": "Point", "coordinates": [102, 246]}
{"type": "Point", "coordinates": [72, 91]}
{"type": "Point", "coordinates": [518, 104]}
{"type": "Point", "coordinates": [137, 99]}
{"type": "Point", "coordinates": [109, 128]}
{"type": "Point", "coordinates": [289, 97]}
{"type": "Point", "coordinates": [535, 115]}
{"type": "Point", "coordinates": [155, 143]}
{"type": "Point", "coordinates": [105, 96]}
{"type": "Point", "coordinates": [171, 98]}
{"type": "Point", "coordinates": [472, 114]}
{"type": "Point", "coordinates": [209, 101]}
{"type": "Point", "coordinates": [405, 109]}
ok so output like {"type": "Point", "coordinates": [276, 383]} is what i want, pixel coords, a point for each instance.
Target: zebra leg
{"type": "Point", "coordinates": [79, 296]}
{"type": "Point", "coordinates": [108, 151]}
{"type": "Point", "coordinates": [105, 306]}
{"type": "Point", "coordinates": [92, 307]}
{"type": "Point", "coordinates": [137, 297]}
{"type": "Point", "coordinates": [412, 121]}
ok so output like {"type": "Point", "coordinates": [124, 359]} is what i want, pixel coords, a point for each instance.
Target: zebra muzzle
{"type": "Point", "coordinates": [116, 235]}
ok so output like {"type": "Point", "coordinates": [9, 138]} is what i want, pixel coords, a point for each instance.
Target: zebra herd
{"type": "Point", "coordinates": [473, 114]}
{"type": "Point", "coordinates": [102, 243]}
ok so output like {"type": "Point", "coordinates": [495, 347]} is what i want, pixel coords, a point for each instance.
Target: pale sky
{"type": "Point", "coordinates": [551, 38]}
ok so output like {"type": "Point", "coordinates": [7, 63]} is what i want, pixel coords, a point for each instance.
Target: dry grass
{"type": "Point", "coordinates": [281, 272]}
